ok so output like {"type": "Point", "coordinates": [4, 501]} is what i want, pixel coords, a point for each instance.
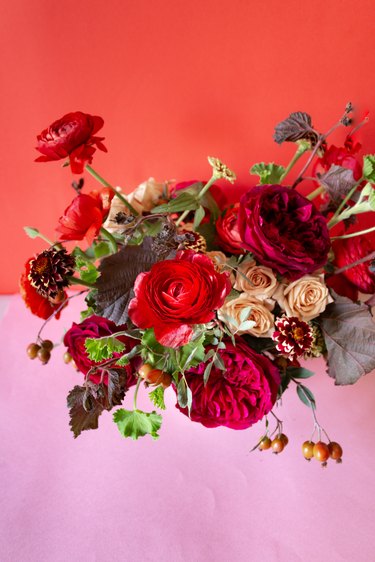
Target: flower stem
{"type": "Point", "coordinates": [336, 217]}
{"type": "Point", "coordinates": [369, 257]}
{"type": "Point", "coordinates": [136, 393]}
{"type": "Point", "coordinates": [301, 149]}
{"type": "Point", "coordinates": [354, 234]}
{"type": "Point", "coordinates": [315, 193]}
{"type": "Point", "coordinates": [202, 192]}
{"type": "Point", "coordinates": [76, 281]}
{"type": "Point", "coordinates": [111, 240]}
{"type": "Point", "coordinates": [106, 184]}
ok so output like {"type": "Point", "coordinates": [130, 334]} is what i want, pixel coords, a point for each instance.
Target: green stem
{"type": "Point", "coordinates": [202, 192]}
{"type": "Point", "coordinates": [106, 184]}
{"type": "Point", "coordinates": [111, 240]}
{"type": "Point", "coordinates": [354, 234]}
{"type": "Point", "coordinates": [76, 281]}
{"type": "Point", "coordinates": [302, 148]}
{"type": "Point", "coordinates": [136, 393]}
{"type": "Point", "coordinates": [315, 193]}
{"type": "Point", "coordinates": [336, 217]}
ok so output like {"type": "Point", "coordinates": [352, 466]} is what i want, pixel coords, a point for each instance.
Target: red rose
{"type": "Point", "coordinates": [176, 294]}
{"type": "Point", "coordinates": [358, 278]}
{"type": "Point", "coordinates": [237, 397]}
{"type": "Point", "coordinates": [71, 136]}
{"type": "Point", "coordinates": [94, 327]}
{"type": "Point", "coordinates": [283, 230]}
{"type": "Point", "coordinates": [82, 219]}
{"type": "Point", "coordinates": [39, 305]}
{"type": "Point", "coordinates": [228, 236]}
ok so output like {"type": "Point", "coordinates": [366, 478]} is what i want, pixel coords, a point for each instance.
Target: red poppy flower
{"type": "Point", "coordinates": [82, 219]}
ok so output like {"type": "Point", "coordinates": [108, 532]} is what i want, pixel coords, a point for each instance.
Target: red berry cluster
{"type": "Point", "coordinates": [277, 445]}
{"type": "Point", "coordinates": [154, 377]}
{"type": "Point", "coordinates": [322, 451]}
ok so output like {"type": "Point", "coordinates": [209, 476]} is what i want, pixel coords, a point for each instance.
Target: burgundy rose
{"type": "Point", "coordinates": [71, 136]}
{"type": "Point", "coordinates": [228, 236]}
{"type": "Point", "coordinates": [357, 278]}
{"type": "Point", "coordinates": [237, 397]}
{"type": "Point", "coordinates": [94, 327]}
{"type": "Point", "coordinates": [283, 230]}
{"type": "Point", "coordinates": [82, 219]}
{"type": "Point", "coordinates": [176, 294]}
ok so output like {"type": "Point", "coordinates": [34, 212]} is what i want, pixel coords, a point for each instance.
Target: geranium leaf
{"type": "Point", "coordinates": [349, 333]}
{"type": "Point", "coordinates": [99, 349]}
{"type": "Point", "coordinates": [157, 397]}
{"type": "Point", "coordinates": [369, 167]}
{"type": "Point", "coordinates": [337, 182]}
{"type": "Point", "coordinates": [135, 423]}
{"type": "Point", "coordinates": [118, 274]}
{"type": "Point", "coordinates": [295, 127]}
{"type": "Point", "coordinates": [268, 173]}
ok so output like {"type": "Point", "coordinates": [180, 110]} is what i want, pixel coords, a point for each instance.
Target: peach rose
{"type": "Point", "coordinates": [262, 281]}
{"type": "Point", "coordinates": [147, 195]}
{"type": "Point", "coordinates": [305, 298]}
{"type": "Point", "coordinates": [248, 315]}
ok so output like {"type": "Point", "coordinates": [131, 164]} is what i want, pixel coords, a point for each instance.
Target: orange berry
{"type": "Point", "coordinates": [321, 451]}
{"type": "Point", "coordinates": [277, 445]}
{"type": "Point", "coordinates": [308, 450]}
{"type": "Point", "coordinates": [166, 381]}
{"type": "Point", "coordinates": [264, 444]}
{"type": "Point", "coordinates": [67, 357]}
{"type": "Point", "coordinates": [32, 350]}
{"type": "Point", "coordinates": [144, 370]}
{"type": "Point", "coordinates": [335, 451]}
{"type": "Point", "coordinates": [284, 439]}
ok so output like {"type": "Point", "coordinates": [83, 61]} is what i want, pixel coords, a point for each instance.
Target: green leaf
{"type": "Point", "coordinates": [306, 396]}
{"type": "Point", "coordinates": [369, 167]}
{"type": "Point", "coordinates": [182, 395]}
{"type": "Point", "coordinates": [268, 173]}
{"type": "Point", "coordinates": [183, 202]}
{"type": "Point", "coordinates": [207, 372]}
{"type": "Point", "coordinates": [198, 217]}
{"type": "Point", "coordinates": [87, 313]}
{"type": "Point", "coordinates": [99, 349]}
{"type": "Point", "coordinates": [157, 397]}
{"type": "Point", "coordinates": [135, 423]}
{"type": "Point", "coordinates": [299, 373]}
{"type": "Point", "coordinates": [101, 249]}
{"type": "Point", "coordinates": [124, 360]}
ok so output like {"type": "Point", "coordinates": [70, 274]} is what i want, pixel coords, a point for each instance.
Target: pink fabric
{"type": "Point", "coordinates": [196, 495]}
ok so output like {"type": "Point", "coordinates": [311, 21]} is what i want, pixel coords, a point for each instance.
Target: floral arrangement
{"type": "Point", "coordinates": [215, 301]}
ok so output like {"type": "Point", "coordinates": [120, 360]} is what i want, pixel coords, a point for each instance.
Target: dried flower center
{"type": "Point", "coordinates": [41, 265]}
{"type": "Point", "coordinates": [298, 333]}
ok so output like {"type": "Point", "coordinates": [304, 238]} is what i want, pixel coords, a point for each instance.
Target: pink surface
{"type": "Point", "coordinates": [196, 495]}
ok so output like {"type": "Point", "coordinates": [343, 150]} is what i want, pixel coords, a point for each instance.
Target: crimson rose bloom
{"type": "Point", "coordinates": [39, 305]}
{"type": "Point", "coordinates": [94, 327]}
{"type": "Point", "coordinates": [237, 397]}
{"type": "Point", "coordinates": [82, 219]}
{"type": "Point", "coordinates": [228, 236]}
{"type": "Point", "coordinates": [71, 136]}
{"type": "Point", "coordinates": [358, 278]}
{"type": "Point", "coordinates": [283, 230]}
{"type": "Point", "coordinates": [176, 294]}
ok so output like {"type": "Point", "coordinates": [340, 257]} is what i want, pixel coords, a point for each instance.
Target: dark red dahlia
{"type": "Point", "coordinates": [50, 270]}
{"type": "Point", "coordinates": [293, 336]}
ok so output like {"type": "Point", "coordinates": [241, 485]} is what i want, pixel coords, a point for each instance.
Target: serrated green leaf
{"type": "Point", "coordinates": [122, 361]}
{"type": "Point", "coordinates": [87, 313]}
{"type": "Point", "coordinates": [306, 396]}
{"type": "Point", "coordinates": [135, 423]}
{"type": "Point", "coordinates": [299, 373]}
{"type": "Point", "coordinates": [157, 397]}
{"type": "Point", "coordinates": [198, 217]}
{"type": "Point", "coordinates": [99, 349]}
{"type": "Point", "coordinates": [369, 167]}
{"type": "Point", "coordinates": [268, 173]}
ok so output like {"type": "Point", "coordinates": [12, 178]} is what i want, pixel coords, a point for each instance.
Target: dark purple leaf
{"type": "Point", "coordinates": [349, 334]}
{"type": "Point", "coordinates": [295, 127]}
{"type": "Point", "coordinates": [337, 182]}
{"type": "Point", "coordinates": [85, 407]}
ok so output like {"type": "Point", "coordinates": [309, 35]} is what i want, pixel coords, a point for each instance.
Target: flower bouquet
{"type": "Point", "coordinates": [216, 302]}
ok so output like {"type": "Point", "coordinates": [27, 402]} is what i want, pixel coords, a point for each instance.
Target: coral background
{"type": "Point", "coordinates": [175, 81]}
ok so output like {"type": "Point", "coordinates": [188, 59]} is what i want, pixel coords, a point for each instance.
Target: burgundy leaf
{"type": "Point", "coordinates": [295, 127]}
{"type": "Point", "coordinates": [337, 182]}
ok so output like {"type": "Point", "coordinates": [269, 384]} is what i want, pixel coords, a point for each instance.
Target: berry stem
{"type": "Point", "coordinates": [57, 311]}
{"type": "Point", "coordinates": [106, 184]}
{"type": "Point", "coordinates": [136, 393]}
{"type": "Point", "coordinates": [315, 193]}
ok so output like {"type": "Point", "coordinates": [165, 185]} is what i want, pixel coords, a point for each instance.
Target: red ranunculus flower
{"type": "Point", "coordinates": [237, 397]}
{"type": "Point", "coordinates": [347, 251]}
{"type": "Point", "coordinates": [95, 327]}
{"type": "Point", "coordinates": [39, 305]}
{"type": "Point", "coordinates": [176, 294]}
{"type": "Point", "coordinates": [71, 136]}
{"type": "Point", "coordinates": [340, 156]}
{"type": "Point", "coordinates": [283, 230]}
{"type": "Point", "coordinates": [228, 236]}
{"type": "Point", "coordinates": [82, 219]}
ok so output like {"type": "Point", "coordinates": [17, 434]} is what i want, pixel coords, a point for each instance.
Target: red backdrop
{"type": "Point", "coordinates": [175, 81]}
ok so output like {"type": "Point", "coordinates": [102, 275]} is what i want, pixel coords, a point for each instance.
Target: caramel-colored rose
{"type": "Point", "coordinates": [305, 298]}
{"type": "Point", "coordinates": [220, 261]}
{"type": "Point", "coordinates": [262, 282]}
{"type": "Point", "coordinates": [147, 195]}
{"type": "Point", "coordinates": [248, 315]}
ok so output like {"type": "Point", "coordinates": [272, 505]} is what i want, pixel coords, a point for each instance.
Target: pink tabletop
{"type": "Point", "coordinates": [196, 495]}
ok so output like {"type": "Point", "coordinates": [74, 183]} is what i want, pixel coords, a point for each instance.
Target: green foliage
{"type": "Point", "coordinates": [268, 173]}
{"type": "Point", "coordinates": [99, 349]}
{"type": "Point", "coordinates": [299, 373]}
{"type": "Point", "coordinates": [369, 167]}
{"type": "Point", "coordinates": [101, 249]}
{"type": "Point", "coordinates": [183, 202]}
{"type": "Point", "coordinates": [169, 359]}
{"type": "Point", "coordinates": [135, 423]}
{"type": "Point", "coordinates": [87, 313]}
{"type": "Point", "coordinates": [306, 396]}
{"type": "Point", "coordinates": [31, 232]}
{"type": "Point", "coordinates": [184, 394]}
{"type": "Point", "coordinates": [157, 397]}
{"type": "Point", "coordinates": [198, 216]}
